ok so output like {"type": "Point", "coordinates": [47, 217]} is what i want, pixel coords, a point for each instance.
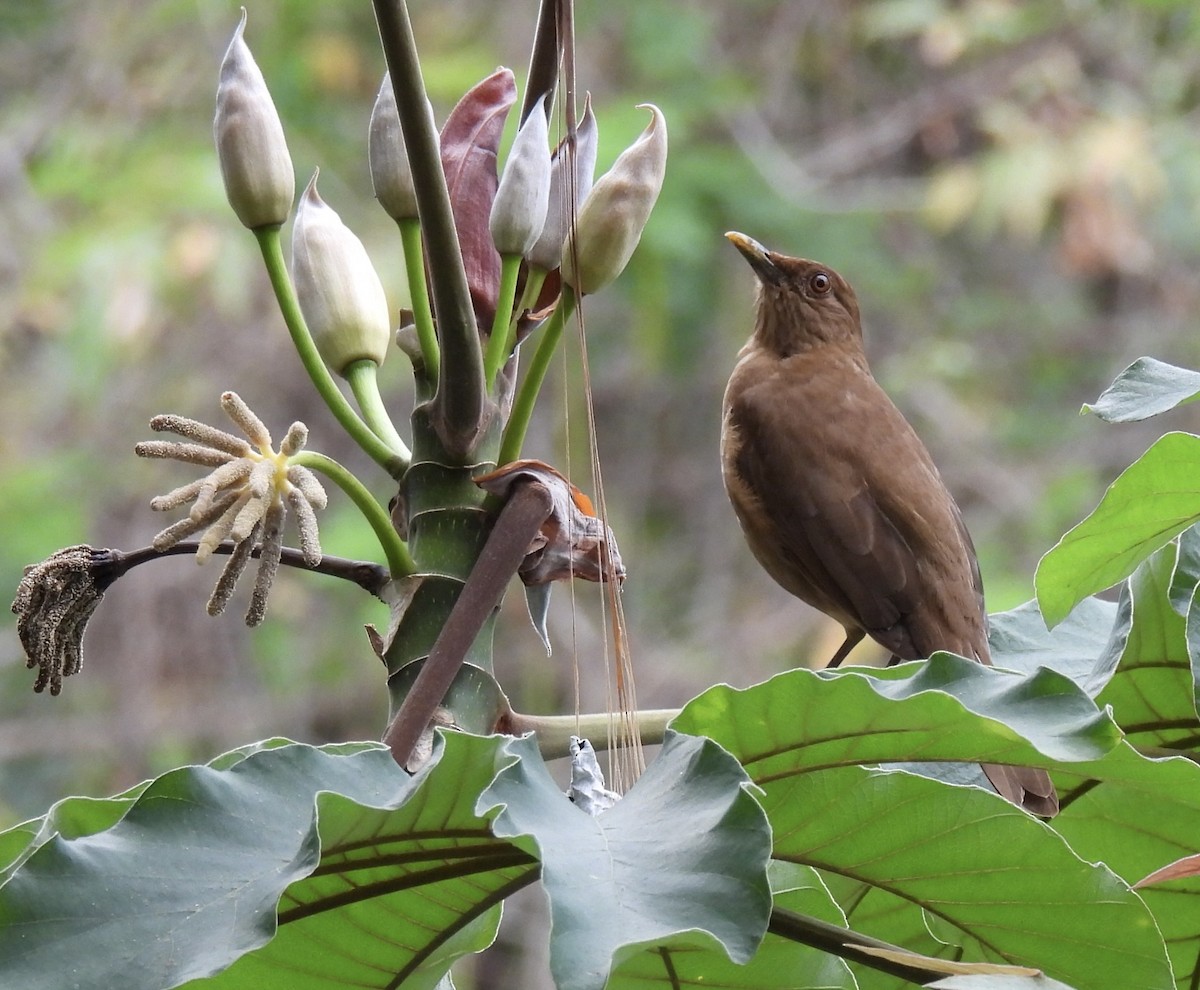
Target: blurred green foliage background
{"type": "Point", "coordinates": [1013, 188]}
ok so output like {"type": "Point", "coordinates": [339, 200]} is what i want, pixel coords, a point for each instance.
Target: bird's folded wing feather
{"type": "Point", "coordinates": [843, 527]}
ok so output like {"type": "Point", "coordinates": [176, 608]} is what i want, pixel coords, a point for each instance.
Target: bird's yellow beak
{"type": "Point", "coordinates": [761, 260]}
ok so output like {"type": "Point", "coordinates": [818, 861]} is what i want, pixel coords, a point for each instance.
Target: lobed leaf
{"type": "Point", "coordinates": [1154, 500]}
{"type": "Point", "coordinates": [1144, 389]}
{"type": "Point", "coordinates": [943, 709]}
{"type": "Point", "coordinates": [375, 875]}
{"type": "Point", "coordinates": [1076, 647]}
{"type": "Point", "coordinates": [1152, 692]}
{"type": "Point", "coordinates": [676, 869]}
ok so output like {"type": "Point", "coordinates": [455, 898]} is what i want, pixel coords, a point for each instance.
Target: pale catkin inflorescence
{"type": "Point", "coordinates": [243, 499]}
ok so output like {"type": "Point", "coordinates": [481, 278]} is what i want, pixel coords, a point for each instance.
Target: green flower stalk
{"type": "Point", "coordinates": [517, 218]}
{"type": "Point", "coordinates": [255, 164]}
{"type": "Point", "coordinates": [615, 212]}
{"type": "Point", "coordinates": [392, 181]}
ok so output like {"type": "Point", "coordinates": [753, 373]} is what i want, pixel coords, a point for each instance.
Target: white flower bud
{"type": "Point", "coordinates": [391, 173]}
{"type": "Point", "coordinates": [339, 292]}
{"type": "Point", "coordinates": [615, 212]}
{"type": "Point", "coordinates": [547, 252]}
{"type": "Point", "coordinates": [519, 209]}
{"type": "Point", "coordinates": [252, 150]}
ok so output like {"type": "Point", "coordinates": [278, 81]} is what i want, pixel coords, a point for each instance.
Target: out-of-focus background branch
{"type": "Point", "coordinates": [1014, 188]}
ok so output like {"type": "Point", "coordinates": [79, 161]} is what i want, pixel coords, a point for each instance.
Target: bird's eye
{"type": "Point", "coordinates": [820, 283]}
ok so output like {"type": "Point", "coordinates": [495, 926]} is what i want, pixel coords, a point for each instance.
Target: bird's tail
{"type": "Point", "coordinates": [1024, 786]}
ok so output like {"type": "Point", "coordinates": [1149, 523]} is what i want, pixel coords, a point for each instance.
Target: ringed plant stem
{"type": "Point", "coordinates": [363, 377]}
{"type": "Point", "coordinates": [285, 294]}
{"type": "Point", "coordinates": [414, 268]}
{"type": "Point", "coordinates": [497, 351]}
{"type": "Point", "coordinates": [399, 560]}
{"type": "Point", "coordinates": [522, 409]}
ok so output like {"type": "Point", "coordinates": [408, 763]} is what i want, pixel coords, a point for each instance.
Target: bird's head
{"type": "Point", "coordinates": [802, 304]}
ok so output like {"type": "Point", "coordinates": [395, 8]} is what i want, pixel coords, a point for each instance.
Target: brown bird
{"type": "Point", "coordinates": [837, 495]}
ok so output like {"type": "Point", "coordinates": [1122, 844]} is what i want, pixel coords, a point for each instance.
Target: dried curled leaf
{"type": "Point", "coordinates": [53, 603]}
{"type": "Point", "coordinates": [572, 542]}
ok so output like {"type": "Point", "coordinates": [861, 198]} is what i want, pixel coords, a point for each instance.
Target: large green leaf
{"type": "Point", "coordinates": [1144, 389]}
{"type": "Point", "coordinates": [1137, 815]}
{"type": "Point", "coordinates": [375, 874]}
{"type": "Point", "coordinates": [676, 869]}
{"type": "Point", "coordinates": [1152, 691]}
{"type": "Point", "coordinates": [941, 870]}
{"type": "Point", "coordinates": [945, 708]}
{"type": "Point", "coordinates": [1076, 646]}
{"type": "Point", "coordinates": [1186, 577]}
{"type": "Point", "coordinates": [1154, 500]}
{"type": "Point", "coordinates": [1000, 885]}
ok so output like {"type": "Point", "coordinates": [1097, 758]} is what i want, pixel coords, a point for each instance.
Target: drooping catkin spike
{"type": "Point", "coordinates": [224, 477]}
{"type": "Point", "coordinates": [190, 453]}
{"type": "Point", "coordinates": [177, 497]}
{"type": "Point", "coordinates": [247, 518]}
{"type": "Point", "coordinates": [229, 576]}
{"type": "Point", "coordinates": [268, 563]}
{"type": "Point", "coordinates": [244, 416]}
{"type": "Point", "coordinates": [306, 525]}
{"type": "Point", "coordinates": [311, 488]}
{"type": "Point", "coordinates": [262, 475]}
{"type": "Point", "coordinates": [294, 441]}
{"type": "Point", "coordinates": [191, 429]}
{"type": "Point", "coordinates": [220, 528]}
{"type": "Point", "coordinates": [168, 537]}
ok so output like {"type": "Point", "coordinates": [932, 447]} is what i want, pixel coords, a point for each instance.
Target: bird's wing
{"type": "Point", "coordinates": [843, 517]}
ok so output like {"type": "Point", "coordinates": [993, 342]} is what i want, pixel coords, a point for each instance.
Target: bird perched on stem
{"type": "Point", "coordinates": [837, 496]}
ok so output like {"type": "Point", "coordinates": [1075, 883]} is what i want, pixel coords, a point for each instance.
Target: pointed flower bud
{"type": "Point", "coordinates": [615, 212]}
{"type": "Point", "coordinates": [339, 292]}
{"type": "Point", "coordinates": [519, 209]}
{"type": "Point", "coordinates": [255, 163]}
{"type": "Point", "coordinates": [391, 174]}
{"type": "Point", "coordinates": [547, 252]}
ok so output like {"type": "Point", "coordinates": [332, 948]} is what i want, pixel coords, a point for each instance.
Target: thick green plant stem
{"type": "Point", "coordinates": [399, 560]}
{"type": "Point", "coordinates": [517, 524]}
{"type": "Point", "coordinates": [543, 60]}
{"type": "Point", "coordinates": [497, 349]}
{"type": "Point", "coordinates": [414, 268]}
{"type": "Point", "coordinates": [270, 243]}
{"type": "Point", "coordinates": [460, 405]}
{"type": "Point", "coordinates": [522, 410]}
{"type": "Point", "coordinates": [363, 378]}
